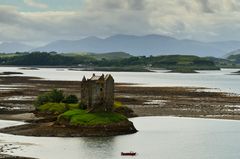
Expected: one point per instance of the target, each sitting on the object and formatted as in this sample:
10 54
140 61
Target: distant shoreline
112 69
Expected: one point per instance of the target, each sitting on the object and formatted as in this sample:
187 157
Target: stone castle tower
97 93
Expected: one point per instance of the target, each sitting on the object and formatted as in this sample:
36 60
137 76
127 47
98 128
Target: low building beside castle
97 93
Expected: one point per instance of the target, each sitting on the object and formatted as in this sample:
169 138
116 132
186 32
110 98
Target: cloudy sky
42 21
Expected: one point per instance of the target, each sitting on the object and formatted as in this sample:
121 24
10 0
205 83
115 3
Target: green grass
99 56
82 117
73 106
57 108
117 104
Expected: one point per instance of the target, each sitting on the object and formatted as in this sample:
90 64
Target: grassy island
82 117
57 108
63 115
70 112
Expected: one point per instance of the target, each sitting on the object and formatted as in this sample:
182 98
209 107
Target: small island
236 73
97 114
10 73
182 70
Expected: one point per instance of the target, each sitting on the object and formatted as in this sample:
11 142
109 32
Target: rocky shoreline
3 156
49 129
10 147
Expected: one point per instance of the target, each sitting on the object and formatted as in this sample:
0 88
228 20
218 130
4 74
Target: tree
42 99
71 99
56 96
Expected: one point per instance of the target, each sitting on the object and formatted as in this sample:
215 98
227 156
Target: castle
97 93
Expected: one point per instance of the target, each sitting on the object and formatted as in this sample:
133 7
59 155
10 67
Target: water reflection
158 137
98 147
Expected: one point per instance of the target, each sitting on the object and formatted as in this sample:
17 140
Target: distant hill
234 58
66 59
142 45
111 55
12 47
99 56
179 63
235 52
222 62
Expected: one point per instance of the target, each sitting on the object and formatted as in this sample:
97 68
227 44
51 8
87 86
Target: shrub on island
70 99
55 96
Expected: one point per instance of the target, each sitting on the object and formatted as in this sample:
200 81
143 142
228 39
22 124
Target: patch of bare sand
19 117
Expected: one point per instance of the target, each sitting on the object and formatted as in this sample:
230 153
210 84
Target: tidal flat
145 101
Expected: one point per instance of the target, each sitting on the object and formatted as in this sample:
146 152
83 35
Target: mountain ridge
152 44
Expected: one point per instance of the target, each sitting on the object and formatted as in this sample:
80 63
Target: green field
82 117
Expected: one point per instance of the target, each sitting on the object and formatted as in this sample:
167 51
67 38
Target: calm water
220 80
158 138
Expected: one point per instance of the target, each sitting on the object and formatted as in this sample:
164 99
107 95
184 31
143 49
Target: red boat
128 153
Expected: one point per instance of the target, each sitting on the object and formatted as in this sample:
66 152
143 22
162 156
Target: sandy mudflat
145 101
2 156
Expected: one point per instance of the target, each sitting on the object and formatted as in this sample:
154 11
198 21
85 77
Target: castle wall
98 94
109 93
84 93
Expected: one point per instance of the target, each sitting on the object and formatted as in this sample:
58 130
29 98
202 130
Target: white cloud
33 3
195 19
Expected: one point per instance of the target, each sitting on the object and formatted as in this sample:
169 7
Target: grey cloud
116 4
205 6
219 6
137 4
178 18
8 14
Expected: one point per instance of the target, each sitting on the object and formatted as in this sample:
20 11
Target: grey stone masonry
97 93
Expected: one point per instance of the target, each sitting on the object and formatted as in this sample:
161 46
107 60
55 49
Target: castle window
101 89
